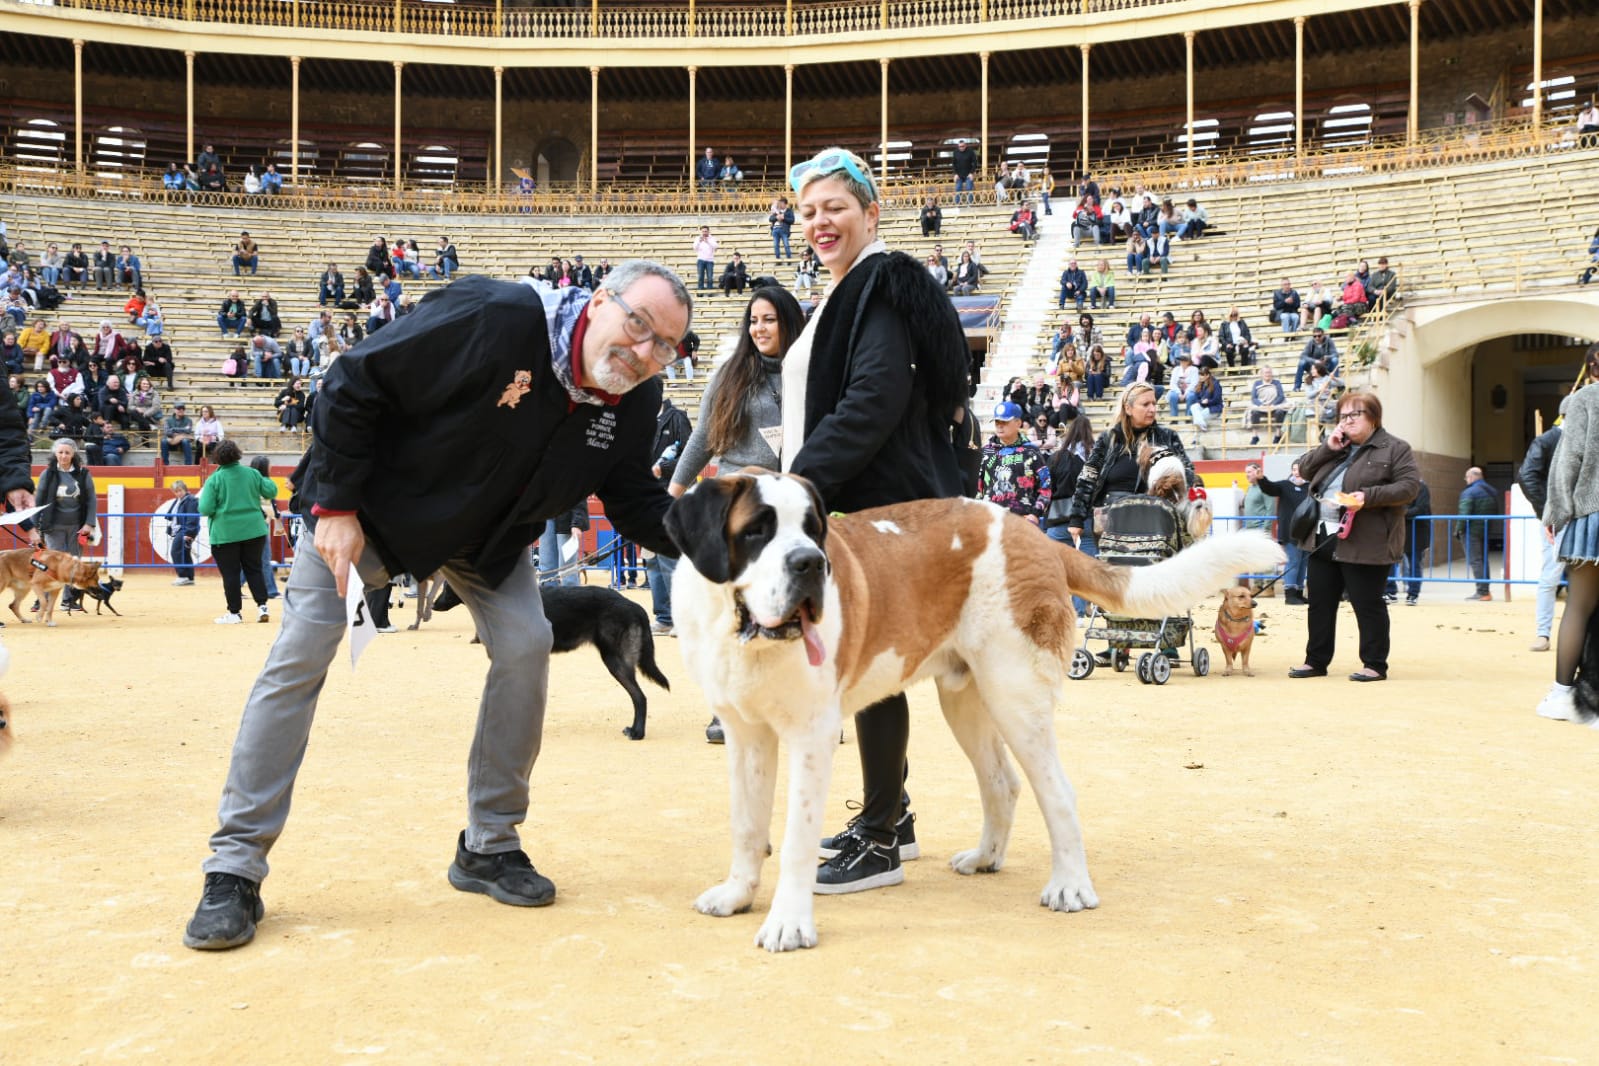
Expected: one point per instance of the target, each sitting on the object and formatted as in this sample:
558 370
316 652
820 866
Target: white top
797 368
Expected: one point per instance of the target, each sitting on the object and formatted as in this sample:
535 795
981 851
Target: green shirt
231 498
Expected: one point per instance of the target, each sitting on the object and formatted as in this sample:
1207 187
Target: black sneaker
905 831
506 876
1294 598
226 916
860 865
713 732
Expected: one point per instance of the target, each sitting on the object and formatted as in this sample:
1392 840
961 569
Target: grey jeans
277 717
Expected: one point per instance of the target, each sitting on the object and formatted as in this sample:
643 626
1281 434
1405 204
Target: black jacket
889 366
963 161
1289 497
444 465
672 431
16 454
1534 473
1108 450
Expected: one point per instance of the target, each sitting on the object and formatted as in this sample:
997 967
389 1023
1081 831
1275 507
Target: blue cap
1005 412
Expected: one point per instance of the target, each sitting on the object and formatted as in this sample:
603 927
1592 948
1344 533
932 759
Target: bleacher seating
186 253
1448 232
1444 230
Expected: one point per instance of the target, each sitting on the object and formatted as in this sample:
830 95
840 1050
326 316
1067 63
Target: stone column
77 105
188 82
1537 63
1411 118
1188 45
693 148
294 121
982 137
882 141
399 163
1299 86
1085 50
788 118
498 175
594 130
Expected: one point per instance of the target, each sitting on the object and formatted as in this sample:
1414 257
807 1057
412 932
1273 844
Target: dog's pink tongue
815 650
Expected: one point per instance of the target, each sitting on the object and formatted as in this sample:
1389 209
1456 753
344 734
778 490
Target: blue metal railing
1454 564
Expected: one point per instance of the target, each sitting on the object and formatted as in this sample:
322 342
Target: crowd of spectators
1182 361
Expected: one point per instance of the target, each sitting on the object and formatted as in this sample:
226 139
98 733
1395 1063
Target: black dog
102 594
615 625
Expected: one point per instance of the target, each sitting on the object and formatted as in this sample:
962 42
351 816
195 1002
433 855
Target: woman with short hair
873 390
1363 477
231 498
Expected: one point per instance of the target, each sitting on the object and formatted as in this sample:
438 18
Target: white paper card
773 436
14 517
358 628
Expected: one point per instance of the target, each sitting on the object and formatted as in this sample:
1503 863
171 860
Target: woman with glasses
741 414
872 392
1364 477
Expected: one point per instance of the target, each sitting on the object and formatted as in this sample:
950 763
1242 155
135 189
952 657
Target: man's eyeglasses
830 163
1352 414
639 331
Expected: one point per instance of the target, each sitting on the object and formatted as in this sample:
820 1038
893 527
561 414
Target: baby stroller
1140 531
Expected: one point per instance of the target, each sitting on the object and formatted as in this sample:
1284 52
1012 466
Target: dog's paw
729 897
1247 672
1071 893
976 861
1227 671
786 932
632 734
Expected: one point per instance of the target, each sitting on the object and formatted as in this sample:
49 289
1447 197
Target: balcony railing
435 19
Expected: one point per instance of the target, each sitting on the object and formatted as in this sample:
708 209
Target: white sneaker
229 619
1559 704
184 581
1541 644
388 629
261 614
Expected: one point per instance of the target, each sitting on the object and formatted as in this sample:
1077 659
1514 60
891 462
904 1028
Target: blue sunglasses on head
831 163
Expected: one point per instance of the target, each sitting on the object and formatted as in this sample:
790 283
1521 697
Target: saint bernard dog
789 620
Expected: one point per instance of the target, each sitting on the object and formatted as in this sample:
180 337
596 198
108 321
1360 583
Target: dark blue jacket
183 521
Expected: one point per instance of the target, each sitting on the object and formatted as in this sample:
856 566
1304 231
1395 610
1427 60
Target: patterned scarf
562 307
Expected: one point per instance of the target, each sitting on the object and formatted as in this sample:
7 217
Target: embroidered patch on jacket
521 382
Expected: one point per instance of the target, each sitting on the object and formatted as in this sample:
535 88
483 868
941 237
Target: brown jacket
1385 470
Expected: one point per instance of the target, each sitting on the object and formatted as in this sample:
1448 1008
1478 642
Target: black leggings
230 559
883 731
1582 597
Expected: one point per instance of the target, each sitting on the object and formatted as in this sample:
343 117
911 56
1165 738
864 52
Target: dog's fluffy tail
1174 585
646 663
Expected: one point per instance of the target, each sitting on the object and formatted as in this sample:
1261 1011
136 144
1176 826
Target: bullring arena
1289 871
1286 874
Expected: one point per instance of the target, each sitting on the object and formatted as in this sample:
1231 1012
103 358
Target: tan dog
44 573
1235 627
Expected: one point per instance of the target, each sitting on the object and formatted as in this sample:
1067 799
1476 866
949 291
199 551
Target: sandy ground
1290 871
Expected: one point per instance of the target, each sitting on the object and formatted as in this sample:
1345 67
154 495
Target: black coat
889 367
1109 451
441 466
672 427
1289 496
16 455
1534 472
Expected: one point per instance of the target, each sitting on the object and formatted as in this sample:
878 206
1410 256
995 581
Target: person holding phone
1364 477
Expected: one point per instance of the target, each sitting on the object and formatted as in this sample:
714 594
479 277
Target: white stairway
1025 311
